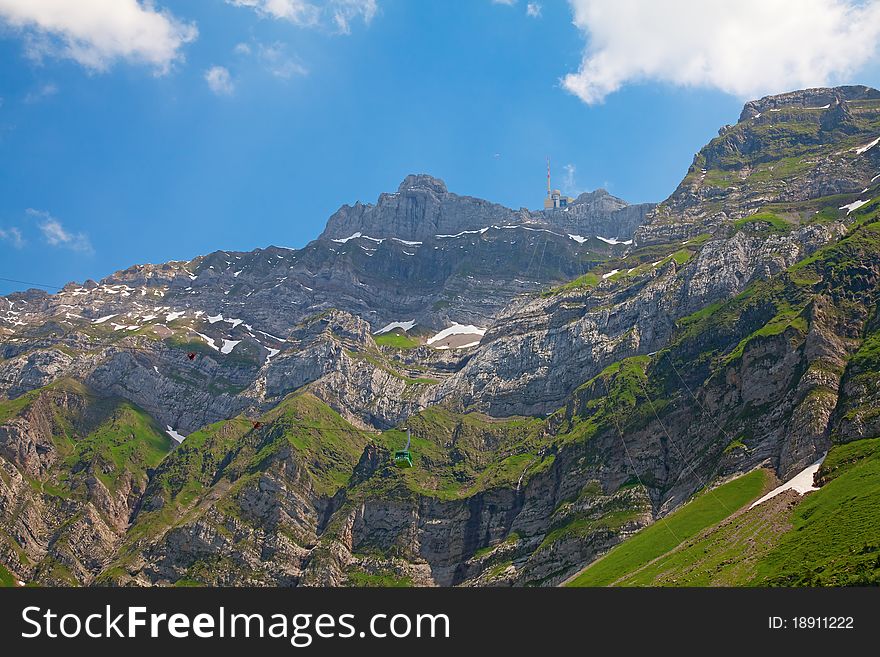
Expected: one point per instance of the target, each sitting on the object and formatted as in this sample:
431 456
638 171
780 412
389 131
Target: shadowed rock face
420 209
423 208
632 355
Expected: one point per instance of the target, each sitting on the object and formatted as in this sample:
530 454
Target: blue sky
115 158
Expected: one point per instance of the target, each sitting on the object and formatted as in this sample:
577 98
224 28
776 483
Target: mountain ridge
613 381
423 208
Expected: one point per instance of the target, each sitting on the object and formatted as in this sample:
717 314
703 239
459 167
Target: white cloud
219 80
569 185
340 13
13 236
299 12
97 33
533 10
746 48
509 3
345 11
273 57
56 235
278 63
44 91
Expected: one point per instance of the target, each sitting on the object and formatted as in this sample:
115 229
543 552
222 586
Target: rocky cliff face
789 149
542 348
422 208
797 163
73 468
599 213
615 378
243 313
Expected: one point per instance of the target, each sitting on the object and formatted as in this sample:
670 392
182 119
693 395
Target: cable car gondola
403 457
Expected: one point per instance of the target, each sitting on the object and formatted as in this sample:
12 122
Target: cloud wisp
13 236
338 13
746 48
220 80
569 183
276 60
41 93
55 234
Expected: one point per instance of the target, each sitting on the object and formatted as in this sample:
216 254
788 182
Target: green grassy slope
106 436
835 539
7 580
782 148
460 454
704 510
88 437
830 537
215 464
397 339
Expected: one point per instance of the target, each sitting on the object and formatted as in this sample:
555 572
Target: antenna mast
548 175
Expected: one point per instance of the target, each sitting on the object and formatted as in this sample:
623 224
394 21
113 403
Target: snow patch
176 436
210 341
855 205
213 319
464 232
407 242
170 317
867 147
406 326
268 335
228 346
535 230
580 239
357 235
610 273
457 329
802 483
613 240
101 320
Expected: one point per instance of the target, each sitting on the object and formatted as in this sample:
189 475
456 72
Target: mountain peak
423 181
808 99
